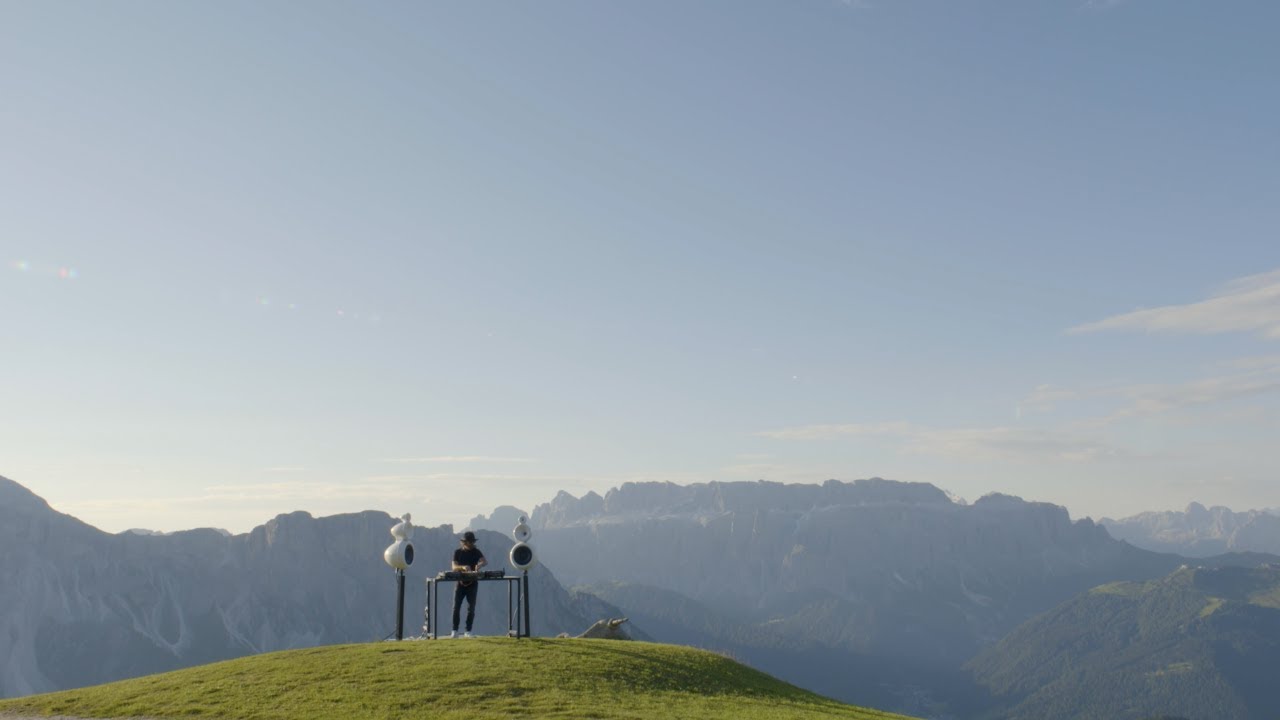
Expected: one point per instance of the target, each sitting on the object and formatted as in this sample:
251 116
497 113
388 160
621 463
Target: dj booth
517 599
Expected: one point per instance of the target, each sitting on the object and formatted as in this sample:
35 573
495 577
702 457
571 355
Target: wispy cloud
298 492
469 478
1253 362
1249 304
1045 398
820 432
1015 444
1257 376
1157 399
459 459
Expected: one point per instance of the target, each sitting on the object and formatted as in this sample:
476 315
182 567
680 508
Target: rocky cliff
1199 531
503 520
897 569
79 606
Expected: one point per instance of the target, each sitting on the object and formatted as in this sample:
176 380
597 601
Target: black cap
468 536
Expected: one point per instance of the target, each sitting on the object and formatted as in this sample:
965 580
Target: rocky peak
503 519
25 515
664 499
565 509
79 606
1200 531
16 498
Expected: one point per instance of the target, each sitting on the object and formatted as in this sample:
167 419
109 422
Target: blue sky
435 257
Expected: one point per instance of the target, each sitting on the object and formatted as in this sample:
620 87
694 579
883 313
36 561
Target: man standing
467 558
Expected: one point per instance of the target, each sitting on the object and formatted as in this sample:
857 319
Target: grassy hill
486 677
1200 643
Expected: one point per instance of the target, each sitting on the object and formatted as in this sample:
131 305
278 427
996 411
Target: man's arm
481 562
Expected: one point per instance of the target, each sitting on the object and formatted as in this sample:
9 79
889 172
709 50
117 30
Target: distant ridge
894 585
19 499
503 519
79 606
665 498
1200 643
1198 531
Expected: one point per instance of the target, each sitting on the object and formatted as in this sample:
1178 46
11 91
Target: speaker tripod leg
426 613
528 621
400 605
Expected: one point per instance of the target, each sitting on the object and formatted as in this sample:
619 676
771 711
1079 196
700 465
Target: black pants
461 591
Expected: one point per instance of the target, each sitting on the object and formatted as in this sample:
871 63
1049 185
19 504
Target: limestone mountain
872 586
79 606
503 519
879 566
1199 643
1200 532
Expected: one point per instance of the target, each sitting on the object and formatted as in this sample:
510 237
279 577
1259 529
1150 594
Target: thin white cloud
1157 399
1254 362
1259 375
819 432
301 492
755 470
467 477
1045 398
1249 304
459 459
1015 444
787 472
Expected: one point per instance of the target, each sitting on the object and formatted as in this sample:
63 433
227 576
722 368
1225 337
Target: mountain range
79 606
875 592
1200 532
892 569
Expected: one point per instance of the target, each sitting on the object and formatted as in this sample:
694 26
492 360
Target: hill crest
489 677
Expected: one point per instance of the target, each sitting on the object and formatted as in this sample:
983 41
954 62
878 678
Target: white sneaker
466 635
453 634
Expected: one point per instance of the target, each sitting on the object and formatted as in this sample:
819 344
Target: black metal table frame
517 605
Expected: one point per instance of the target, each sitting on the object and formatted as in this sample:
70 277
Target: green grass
1212 606
481 678
1268 597
1123 588
1177 668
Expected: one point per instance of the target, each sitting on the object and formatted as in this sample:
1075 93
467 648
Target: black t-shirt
467 558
